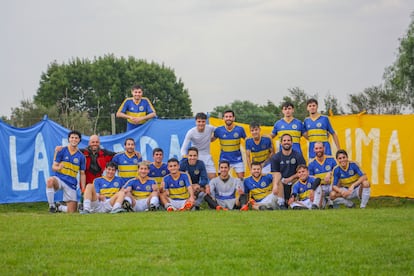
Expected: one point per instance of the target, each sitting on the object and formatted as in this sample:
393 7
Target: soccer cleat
262 208
52 209
118 210
245 207
299 208
187 206
221 208
127 206
170 209
315 207
350 205
58 204
152 208
84 212
282 207
252 202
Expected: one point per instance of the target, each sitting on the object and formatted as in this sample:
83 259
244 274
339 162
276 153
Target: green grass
378 240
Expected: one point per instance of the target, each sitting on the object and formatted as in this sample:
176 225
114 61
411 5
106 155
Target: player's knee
366 184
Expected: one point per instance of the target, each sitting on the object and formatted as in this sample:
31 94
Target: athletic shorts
101 206
269 201
354 194
266 169
238 167
302 203
69 194
177 204
208 162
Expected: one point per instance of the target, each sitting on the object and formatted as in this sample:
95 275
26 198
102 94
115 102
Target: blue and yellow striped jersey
157 173
318 131
259 151
72 164
177 188
141 188
140 109
258 189
321 169
108 187
127 164
294 128
302 189
345 177
230 143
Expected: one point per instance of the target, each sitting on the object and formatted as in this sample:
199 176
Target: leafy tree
99 86
298 97
332 103
400 76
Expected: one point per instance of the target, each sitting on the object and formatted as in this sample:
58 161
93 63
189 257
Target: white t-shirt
200 140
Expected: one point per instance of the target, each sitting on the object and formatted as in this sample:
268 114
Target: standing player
137 109
128 160
259 148
321 167
230 137
349 181
259 189
289 125
284 164
317 129
177 186
303 190
67 164
200 137
143 189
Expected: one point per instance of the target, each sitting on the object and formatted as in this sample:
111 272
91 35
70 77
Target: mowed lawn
375 241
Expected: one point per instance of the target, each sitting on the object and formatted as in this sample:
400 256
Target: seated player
104 194
259 188
144 190
303 190
178 193
349 182
225 192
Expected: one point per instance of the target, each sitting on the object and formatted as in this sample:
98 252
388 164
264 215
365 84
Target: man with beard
230 137
284 164
128 160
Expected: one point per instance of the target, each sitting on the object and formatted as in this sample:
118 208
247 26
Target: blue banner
27 153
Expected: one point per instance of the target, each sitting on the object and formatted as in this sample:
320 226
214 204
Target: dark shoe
127 206
52 209
152 208
314 207
283 207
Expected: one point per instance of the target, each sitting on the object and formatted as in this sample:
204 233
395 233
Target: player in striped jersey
137 109
67 164
158 169
303 190
128 160
349 181
259 148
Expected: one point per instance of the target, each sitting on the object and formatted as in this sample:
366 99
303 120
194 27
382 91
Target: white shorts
267 168
302 203
69 194
101 206
177 204
208 162
238 167
269 201
326 189
354 194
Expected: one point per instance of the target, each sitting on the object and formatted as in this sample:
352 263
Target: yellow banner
379 143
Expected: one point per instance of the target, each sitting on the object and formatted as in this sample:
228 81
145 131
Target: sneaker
57 204
84 212
196 208
170 209
299 208
330 206
127 206
252 202
245 207
187 206
282 207
315 207
262 208
350 205
80 206
52 209
118 210
220 208
153 208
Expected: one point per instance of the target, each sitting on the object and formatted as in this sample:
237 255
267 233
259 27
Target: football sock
127 198
117 205
50 194
318 196
366 192
63 208
87 204
155 201
280 201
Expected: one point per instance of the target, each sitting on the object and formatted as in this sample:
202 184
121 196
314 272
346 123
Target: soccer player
317 129
289 125
198 173
230 137
104 195
259 148
136 109
177 186
303 190
349 181
321 167
67 164
259 189
284 164
200 137
226 192
128 160
144 190
158 169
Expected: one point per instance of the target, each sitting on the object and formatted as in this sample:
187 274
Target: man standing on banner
200 137
67 164
317 129
284 164
230 136
136 109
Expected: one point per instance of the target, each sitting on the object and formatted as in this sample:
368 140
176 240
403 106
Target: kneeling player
104 194
303 190
144 190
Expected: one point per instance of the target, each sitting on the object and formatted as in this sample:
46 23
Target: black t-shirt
286 164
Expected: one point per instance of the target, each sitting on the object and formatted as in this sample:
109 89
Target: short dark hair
157 150
302 166
111 164
254 124
228 111
201 116
341 151
130 139
136 87
256 163
76 133
173 160
286 134
287 104
224 162
193 149
312 100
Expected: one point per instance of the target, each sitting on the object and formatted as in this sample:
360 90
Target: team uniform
294 128
127 165
200 140
108 188
225 191
230 145
302 190
320 170
286 165
261 190
67 177
141 190
139 109
260 151
158 173
318 131
178 189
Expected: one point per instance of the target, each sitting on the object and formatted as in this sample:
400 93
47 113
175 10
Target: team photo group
279 179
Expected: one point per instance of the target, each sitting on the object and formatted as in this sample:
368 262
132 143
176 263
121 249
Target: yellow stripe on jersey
260 156
346 182
322 177
304 195
141 194
318 135
230 145
69 169
127 171
260 193
108 192
179 193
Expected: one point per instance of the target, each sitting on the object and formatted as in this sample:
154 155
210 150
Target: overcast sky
222 50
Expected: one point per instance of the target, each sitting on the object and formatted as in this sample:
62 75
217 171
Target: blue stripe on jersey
108 187
72 164
259 188
321 169
345 177
259 151
177 188
230 143
141 189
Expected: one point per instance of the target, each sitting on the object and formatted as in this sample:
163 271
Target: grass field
376 241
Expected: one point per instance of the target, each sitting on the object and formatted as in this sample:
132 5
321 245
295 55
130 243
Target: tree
400 76
99 86
298 98
332 104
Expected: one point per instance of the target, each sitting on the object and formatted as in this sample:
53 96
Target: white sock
280 200
87 204
127 198
341 200
317 196
63 208
117 205
50 194
155 201
366 192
